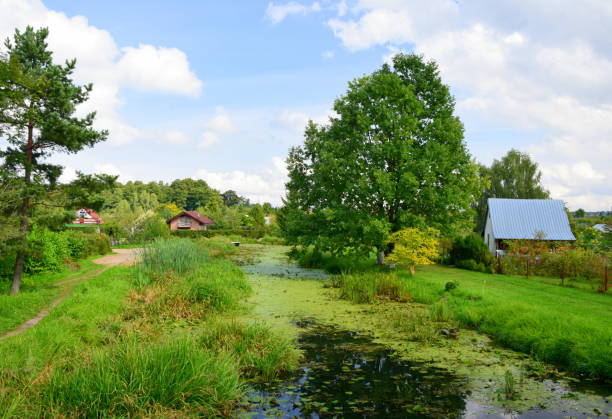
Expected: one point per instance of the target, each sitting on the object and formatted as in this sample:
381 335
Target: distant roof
604 228
524 218
195 215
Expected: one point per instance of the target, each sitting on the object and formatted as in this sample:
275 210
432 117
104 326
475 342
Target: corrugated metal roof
524 218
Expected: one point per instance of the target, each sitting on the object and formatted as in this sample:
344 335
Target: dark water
347 375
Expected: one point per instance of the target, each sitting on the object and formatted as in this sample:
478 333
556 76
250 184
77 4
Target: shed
527 219
189 220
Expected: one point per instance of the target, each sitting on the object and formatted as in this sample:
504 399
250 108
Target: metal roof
524 218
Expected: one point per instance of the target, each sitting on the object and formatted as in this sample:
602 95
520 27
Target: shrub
471 252
472 265
194 234
48 251
412 247
154 227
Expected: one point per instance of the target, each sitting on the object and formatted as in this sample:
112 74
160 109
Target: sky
220 90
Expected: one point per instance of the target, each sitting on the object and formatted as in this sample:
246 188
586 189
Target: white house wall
489 238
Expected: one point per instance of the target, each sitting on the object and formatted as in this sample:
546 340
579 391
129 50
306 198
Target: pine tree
38 100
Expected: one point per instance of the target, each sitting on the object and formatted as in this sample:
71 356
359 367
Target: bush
194 234
471 252
154 227
472 265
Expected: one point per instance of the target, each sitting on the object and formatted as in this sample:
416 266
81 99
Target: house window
184 222
488 236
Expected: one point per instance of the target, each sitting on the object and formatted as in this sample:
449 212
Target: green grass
133 378
160 339
37 292
261 354
367 287
566 326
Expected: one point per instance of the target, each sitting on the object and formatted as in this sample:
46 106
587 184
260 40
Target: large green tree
191 194
38 100
515 176
393 157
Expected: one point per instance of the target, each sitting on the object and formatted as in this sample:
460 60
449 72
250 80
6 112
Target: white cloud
162 69
111 169
171 137
265 185
219 124
278 12
68 175
515 73
342 8
296 121
209 138
102 62
329 54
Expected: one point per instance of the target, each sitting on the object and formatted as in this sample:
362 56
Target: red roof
93 218
195 215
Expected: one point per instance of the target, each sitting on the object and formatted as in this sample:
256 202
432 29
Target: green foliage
153 227
563 263
579 213
191 194
194 234
370 286
50 251
412 247
471 252
394 157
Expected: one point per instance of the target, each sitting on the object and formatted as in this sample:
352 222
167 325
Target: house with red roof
189 220
87 216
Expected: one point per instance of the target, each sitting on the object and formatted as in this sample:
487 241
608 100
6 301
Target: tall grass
169 256
135 378
368 286
219 285
261 353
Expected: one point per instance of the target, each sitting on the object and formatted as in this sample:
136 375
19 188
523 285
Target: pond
346 372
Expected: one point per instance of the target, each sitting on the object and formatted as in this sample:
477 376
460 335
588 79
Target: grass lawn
568 326
37 292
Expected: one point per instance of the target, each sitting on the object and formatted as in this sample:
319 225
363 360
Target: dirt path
124 257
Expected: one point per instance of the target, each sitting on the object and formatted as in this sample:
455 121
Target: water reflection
347 375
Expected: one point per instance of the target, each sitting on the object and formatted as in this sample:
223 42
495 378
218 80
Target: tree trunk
380 257
24 213
412 270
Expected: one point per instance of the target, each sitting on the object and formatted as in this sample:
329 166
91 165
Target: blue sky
221 90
